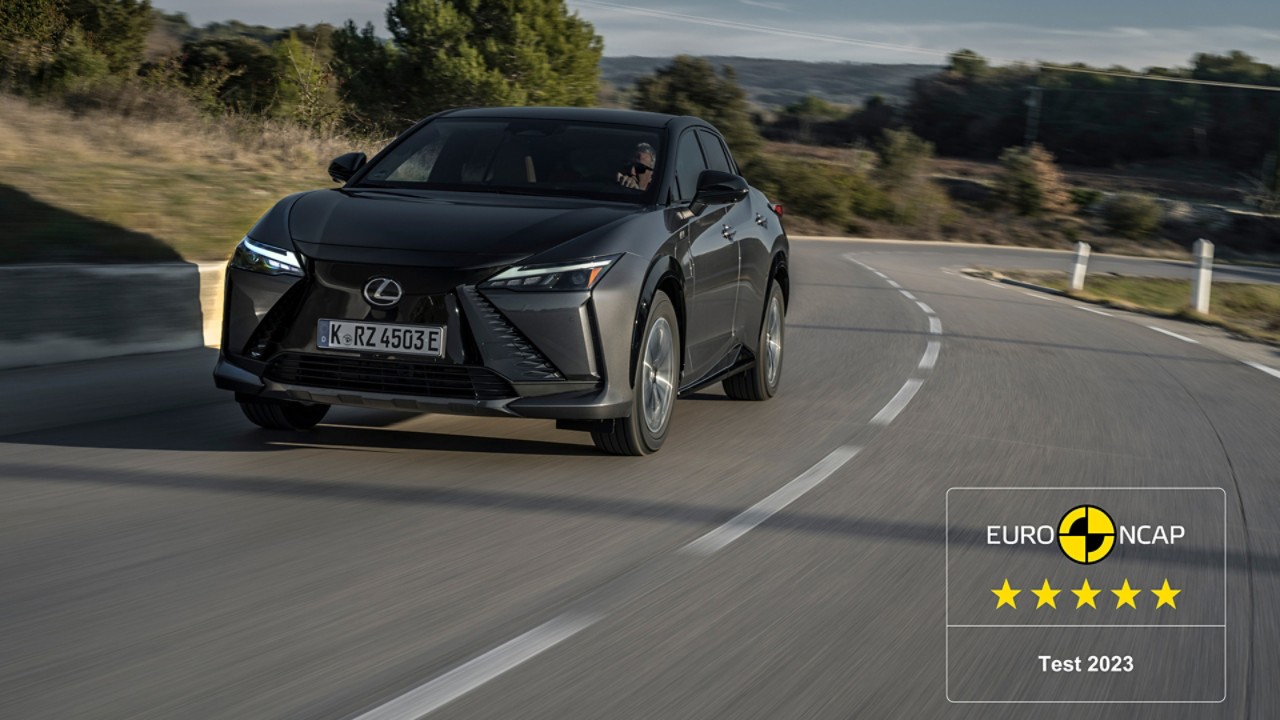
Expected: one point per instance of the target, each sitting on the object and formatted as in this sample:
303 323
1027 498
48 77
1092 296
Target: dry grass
195 185
1251 310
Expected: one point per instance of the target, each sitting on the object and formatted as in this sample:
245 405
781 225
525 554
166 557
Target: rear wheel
657 381
281 414
760 382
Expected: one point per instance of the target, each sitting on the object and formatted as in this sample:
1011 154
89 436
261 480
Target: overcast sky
1135 33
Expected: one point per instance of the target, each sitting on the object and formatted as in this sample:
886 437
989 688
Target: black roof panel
603 115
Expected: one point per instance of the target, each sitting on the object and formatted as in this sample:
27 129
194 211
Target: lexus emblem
383 292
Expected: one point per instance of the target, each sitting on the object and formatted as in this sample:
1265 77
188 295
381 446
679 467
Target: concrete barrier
64 313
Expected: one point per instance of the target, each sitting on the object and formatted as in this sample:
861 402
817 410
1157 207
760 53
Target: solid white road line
1095 312
907 295
1031 294
472 674
930 355
927 310
782 497
1259 366
1183 338
899 401
935 325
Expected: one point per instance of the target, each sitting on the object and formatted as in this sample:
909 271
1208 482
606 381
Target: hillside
771 82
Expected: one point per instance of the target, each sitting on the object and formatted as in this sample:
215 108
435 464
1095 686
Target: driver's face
642 168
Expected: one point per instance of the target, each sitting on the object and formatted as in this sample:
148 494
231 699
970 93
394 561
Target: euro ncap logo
1086 534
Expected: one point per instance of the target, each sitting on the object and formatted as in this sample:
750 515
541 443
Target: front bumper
509 353
576 401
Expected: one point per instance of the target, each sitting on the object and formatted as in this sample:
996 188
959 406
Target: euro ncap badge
1086 534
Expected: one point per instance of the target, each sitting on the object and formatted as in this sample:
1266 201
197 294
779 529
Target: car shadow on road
351 431
702 515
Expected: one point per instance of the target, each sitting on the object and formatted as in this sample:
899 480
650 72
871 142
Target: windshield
530 157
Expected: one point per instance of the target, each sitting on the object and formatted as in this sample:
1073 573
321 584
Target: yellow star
1085 595
1125 595
1165 595
1006 595
1046 595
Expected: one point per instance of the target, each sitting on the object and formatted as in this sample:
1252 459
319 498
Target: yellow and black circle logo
1086 534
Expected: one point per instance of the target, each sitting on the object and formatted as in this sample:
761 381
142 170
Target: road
175 562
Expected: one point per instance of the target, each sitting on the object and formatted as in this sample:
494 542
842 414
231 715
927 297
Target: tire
761 380
281 414
657 370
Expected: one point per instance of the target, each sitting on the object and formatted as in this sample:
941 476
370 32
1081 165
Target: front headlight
579 275
255 256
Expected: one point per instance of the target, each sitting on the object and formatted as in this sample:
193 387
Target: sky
1133 33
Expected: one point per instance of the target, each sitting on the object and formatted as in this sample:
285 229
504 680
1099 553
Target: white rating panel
1086 595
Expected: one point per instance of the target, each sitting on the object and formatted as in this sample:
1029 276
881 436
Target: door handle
761 220
728 232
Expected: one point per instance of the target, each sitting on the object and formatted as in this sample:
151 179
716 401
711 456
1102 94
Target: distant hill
771 82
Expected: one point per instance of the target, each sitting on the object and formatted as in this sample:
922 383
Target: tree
691 86
30 34
967 63
305 90
115 28
250 71
450 53
1030 181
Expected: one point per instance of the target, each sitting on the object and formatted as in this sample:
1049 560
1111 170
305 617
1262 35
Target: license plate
380 337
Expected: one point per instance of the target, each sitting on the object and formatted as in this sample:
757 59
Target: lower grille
394 377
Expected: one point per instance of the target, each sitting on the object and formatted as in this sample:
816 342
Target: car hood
439 229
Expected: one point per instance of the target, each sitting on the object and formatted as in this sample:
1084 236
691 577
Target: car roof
602 115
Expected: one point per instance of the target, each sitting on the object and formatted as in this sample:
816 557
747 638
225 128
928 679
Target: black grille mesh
533 364
395 377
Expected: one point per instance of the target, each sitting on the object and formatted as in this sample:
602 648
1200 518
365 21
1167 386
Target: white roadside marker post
1204 276
1081 266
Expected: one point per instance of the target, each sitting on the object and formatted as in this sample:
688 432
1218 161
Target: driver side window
689 165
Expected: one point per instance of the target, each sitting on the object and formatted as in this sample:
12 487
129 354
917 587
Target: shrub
1085 197
1030 182
1132 216
903 159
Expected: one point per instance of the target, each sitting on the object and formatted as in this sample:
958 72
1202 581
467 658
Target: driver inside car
639 173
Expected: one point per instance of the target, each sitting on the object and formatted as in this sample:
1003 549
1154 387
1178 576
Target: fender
664 271
779 268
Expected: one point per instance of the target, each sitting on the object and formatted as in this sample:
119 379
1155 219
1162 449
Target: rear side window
713 149
689 165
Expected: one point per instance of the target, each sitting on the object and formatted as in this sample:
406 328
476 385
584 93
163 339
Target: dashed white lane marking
930 355
935 325
1095 312
907 294
1259 366
470 675
1031 294
892 283
1183 338
763 510
927 310
899 401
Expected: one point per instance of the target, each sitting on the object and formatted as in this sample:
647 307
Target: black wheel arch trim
663 271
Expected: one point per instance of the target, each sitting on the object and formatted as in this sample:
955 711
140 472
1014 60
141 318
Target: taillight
778 209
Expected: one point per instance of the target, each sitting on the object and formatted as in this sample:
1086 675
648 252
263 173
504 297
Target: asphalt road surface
786 559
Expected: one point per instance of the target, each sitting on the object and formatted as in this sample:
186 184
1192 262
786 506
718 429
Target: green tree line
433 54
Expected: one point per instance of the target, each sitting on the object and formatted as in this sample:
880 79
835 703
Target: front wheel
760 382
657 380
281 414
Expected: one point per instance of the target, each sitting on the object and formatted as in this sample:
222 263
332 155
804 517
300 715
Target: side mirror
344 166
718 188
